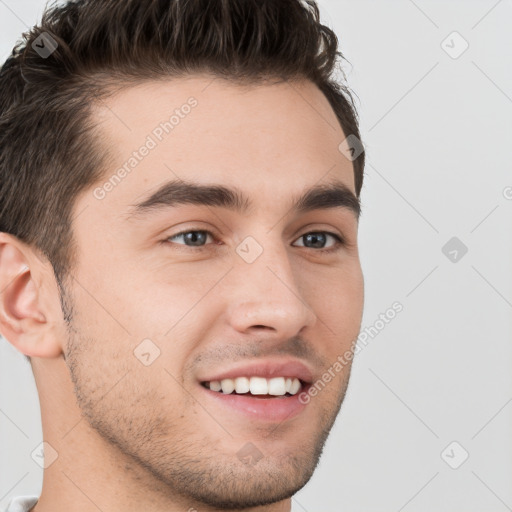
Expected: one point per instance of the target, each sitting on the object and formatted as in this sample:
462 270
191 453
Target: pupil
195 236
318 239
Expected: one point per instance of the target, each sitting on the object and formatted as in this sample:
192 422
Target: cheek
121 380
134 317
337 299
159 299
351 293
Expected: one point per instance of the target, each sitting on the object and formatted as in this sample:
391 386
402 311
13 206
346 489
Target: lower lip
264 409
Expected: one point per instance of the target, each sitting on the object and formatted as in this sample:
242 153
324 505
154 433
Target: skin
135 437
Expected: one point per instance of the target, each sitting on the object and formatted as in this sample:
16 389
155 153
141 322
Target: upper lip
267 368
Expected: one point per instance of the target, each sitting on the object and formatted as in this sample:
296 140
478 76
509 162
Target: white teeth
276 386
228 386
242 385
215 385
295 387
258 386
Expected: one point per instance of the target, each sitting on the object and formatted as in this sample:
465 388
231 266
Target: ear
30 314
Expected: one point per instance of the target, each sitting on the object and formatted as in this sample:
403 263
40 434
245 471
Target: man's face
246 293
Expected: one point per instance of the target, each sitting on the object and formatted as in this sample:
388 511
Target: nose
265 294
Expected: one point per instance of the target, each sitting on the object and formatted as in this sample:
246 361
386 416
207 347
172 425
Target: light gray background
438 134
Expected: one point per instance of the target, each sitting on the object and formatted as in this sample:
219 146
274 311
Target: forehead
273 138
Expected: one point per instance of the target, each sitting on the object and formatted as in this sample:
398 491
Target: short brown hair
49 152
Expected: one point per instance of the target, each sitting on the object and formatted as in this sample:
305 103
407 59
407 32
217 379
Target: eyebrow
178 192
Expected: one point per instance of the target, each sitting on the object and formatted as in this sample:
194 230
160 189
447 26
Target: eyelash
340 242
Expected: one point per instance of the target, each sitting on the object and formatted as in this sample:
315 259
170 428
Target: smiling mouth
257 387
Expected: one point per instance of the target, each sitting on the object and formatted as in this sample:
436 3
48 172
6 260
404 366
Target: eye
192 238
317 240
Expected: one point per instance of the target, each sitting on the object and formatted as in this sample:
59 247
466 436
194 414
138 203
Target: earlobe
26 320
